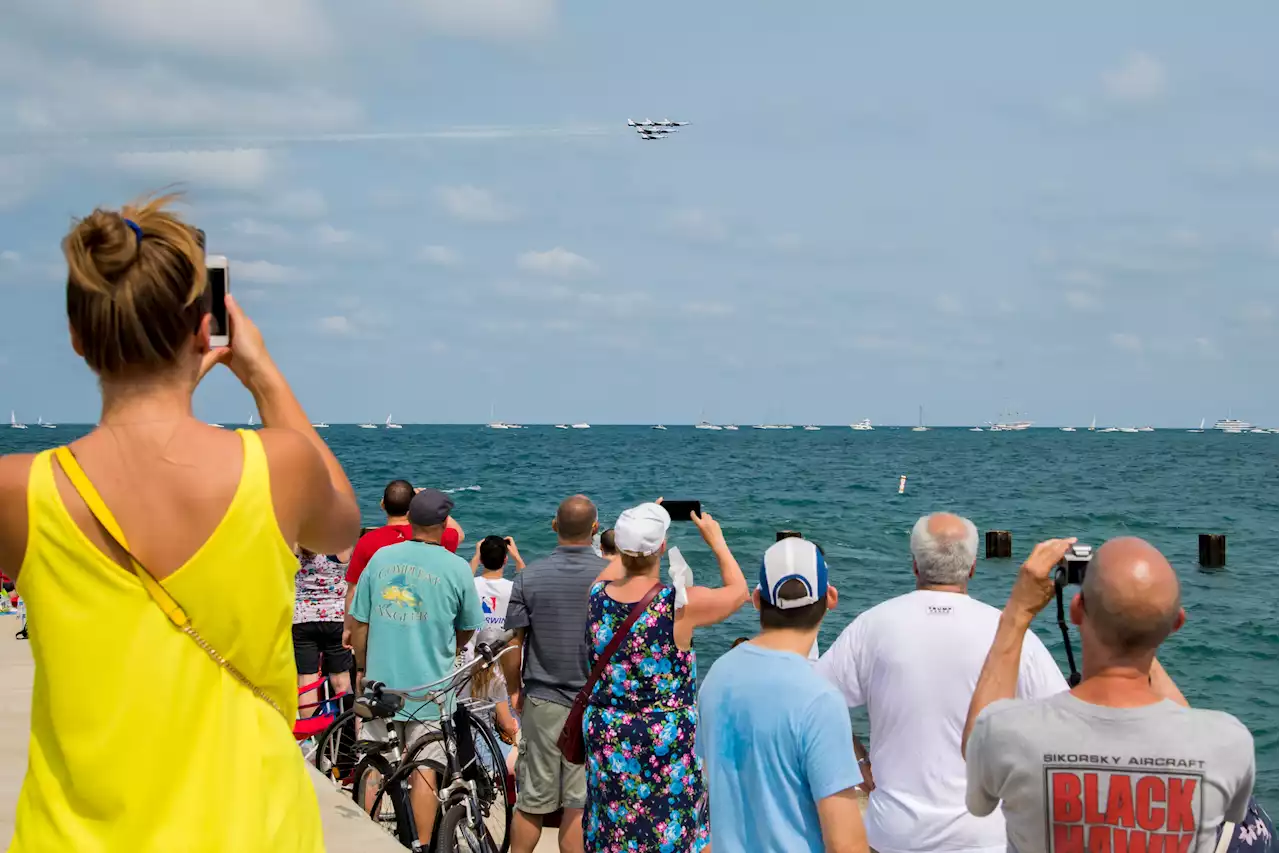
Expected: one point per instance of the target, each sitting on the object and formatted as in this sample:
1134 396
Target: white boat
1109 429
1066 429
217 426
562 426
976 429
1230 424
13 422
1128 429
497 424
1201 429
706 425
811 428
1007 424
368 426
390 425
251 421
581 426
731 427
863 425
40 423
1146 429
920 427
321 425
657 426
1259 431
1093 424
785 426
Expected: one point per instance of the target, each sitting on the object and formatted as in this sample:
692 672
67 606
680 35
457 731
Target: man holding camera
1119 762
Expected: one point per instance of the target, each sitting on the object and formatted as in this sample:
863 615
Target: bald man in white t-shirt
914 661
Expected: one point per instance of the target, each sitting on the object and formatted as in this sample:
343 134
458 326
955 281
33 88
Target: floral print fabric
320 590
645 792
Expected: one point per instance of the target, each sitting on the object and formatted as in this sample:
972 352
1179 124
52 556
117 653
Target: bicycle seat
375 704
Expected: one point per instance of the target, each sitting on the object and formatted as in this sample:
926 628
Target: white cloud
709 309
945 303
1142 77
337 325
300 204
1082 301
1206 349
1126 341
277 31
473 204
263 272
327 235
496 20
701 226
255 228
557 263
235 169
441 256
8 256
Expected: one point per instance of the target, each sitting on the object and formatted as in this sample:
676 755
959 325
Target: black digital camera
1073 565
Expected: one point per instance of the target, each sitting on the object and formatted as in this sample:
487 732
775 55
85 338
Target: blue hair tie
137 230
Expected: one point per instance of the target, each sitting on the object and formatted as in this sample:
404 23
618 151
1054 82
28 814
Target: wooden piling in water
999 545
1213 550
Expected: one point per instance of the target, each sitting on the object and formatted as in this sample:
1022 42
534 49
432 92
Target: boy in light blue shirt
774 737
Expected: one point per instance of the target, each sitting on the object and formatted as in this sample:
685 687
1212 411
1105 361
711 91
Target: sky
435 209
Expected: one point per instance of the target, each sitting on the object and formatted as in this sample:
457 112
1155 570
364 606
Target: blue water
839 488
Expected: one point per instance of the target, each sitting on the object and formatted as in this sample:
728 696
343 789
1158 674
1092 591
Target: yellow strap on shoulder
98 507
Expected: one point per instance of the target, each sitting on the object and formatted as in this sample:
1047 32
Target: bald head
576 520
1131 597
944 548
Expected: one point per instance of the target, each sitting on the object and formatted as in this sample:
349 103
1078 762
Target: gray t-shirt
1080 777
550 600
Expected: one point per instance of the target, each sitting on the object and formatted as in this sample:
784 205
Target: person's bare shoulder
15 471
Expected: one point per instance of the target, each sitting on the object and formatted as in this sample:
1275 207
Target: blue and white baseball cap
793 559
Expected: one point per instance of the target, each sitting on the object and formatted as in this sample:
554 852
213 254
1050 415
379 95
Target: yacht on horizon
40 423
1232 425
657 426
707 425
863 425
368 426
1066 429
731 427
811 428
581 426
562 426
321 425
13 421
920 427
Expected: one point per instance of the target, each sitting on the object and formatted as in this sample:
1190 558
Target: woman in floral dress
645 791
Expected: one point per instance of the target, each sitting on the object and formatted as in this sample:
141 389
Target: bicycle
475 798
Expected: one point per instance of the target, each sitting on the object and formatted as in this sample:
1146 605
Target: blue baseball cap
793 559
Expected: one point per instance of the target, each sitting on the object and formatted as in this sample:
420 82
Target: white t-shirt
914 661
495 595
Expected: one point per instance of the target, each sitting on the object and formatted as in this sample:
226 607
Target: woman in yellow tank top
142 740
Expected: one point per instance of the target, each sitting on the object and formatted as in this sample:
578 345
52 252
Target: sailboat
1201 427
920 427
40 423
703 423
1093 424
251 421
495 424
390 425
13 421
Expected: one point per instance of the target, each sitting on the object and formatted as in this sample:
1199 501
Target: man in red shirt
395 503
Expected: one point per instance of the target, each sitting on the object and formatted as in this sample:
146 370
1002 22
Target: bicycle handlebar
380 701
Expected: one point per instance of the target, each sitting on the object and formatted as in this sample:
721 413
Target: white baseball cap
641 530
793 559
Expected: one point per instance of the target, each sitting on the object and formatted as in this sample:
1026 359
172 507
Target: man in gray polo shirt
548 613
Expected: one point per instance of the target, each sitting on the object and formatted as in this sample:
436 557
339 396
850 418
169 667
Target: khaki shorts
546 782
407 734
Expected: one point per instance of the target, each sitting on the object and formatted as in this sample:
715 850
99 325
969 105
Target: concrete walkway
346 828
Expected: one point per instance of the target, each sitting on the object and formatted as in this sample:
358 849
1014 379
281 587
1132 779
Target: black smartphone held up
682 510
219 284
788 534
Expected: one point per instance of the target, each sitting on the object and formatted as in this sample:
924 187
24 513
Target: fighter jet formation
650 130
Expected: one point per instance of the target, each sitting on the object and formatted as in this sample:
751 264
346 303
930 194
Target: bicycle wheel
491 777
387 805
456 836
335 754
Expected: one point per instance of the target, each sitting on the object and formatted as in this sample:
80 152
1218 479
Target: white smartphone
219 284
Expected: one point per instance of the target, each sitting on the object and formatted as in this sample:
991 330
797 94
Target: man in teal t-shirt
414 607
